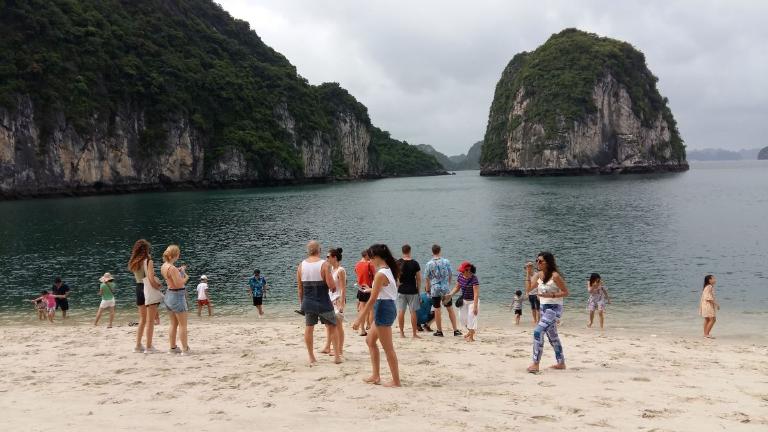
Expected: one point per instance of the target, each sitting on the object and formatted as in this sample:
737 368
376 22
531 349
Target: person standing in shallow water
61 291
708 306
314 280
551 291
384 293
598 297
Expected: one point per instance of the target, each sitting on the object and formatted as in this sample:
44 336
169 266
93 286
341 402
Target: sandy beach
252 374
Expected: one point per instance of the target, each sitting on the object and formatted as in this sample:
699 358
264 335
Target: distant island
763 155
580 104
101 96
462 162
710 154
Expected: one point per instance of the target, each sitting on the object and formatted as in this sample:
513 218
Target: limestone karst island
580 104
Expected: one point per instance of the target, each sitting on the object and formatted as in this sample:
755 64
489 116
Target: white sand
252 375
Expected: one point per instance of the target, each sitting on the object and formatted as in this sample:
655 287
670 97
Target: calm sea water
652 237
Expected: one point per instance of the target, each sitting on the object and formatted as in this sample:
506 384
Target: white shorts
467 315
107 304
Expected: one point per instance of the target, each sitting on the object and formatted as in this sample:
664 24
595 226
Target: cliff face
597 127
111 157
763 155
112 95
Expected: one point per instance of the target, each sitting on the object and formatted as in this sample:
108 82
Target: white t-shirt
202 287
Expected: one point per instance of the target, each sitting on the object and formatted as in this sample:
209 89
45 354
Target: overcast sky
427 69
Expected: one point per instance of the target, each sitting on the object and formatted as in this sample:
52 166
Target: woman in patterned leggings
551 291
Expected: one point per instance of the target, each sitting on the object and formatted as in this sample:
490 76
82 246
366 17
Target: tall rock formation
111 95
580 104
763 155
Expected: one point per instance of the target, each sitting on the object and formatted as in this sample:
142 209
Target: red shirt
365 272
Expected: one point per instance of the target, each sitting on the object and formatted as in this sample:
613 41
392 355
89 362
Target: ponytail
383 252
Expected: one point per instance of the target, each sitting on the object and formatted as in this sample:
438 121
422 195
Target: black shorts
518 311
535 302
62 303
437 301
139 294
257 301
363 296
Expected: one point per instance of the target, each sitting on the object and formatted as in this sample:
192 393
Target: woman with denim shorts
384 290
551 291
176 299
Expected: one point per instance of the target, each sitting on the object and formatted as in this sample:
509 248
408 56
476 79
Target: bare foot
558 366
534 369
372 380
470 339
390 384
589 325
312 361
709 337
338 360
325 351
402 335
415 336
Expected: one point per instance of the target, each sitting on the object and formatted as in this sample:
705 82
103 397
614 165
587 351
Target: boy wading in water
258 287
202 297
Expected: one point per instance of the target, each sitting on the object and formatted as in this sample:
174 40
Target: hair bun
340 250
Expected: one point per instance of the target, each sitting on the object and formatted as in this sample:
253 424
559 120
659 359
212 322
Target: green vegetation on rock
398 158
170 60
558 80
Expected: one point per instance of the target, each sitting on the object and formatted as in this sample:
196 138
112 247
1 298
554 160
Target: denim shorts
384 313
176 301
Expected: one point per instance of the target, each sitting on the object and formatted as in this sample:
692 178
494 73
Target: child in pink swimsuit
50 303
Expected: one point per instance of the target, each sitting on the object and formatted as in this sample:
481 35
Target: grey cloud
427 69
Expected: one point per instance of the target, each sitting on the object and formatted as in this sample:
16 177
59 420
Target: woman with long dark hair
384 291
708 306
551 291
338 298
140 264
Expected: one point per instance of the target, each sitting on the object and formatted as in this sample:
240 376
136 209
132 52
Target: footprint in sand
641 379
544 418
662 413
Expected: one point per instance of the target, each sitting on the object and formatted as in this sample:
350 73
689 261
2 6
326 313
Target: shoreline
101 189
242 372
587 171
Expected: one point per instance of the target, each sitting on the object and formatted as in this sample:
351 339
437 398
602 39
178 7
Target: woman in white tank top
551 291
384 291
338 298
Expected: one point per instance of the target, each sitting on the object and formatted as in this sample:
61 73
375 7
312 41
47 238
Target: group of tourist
387 289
